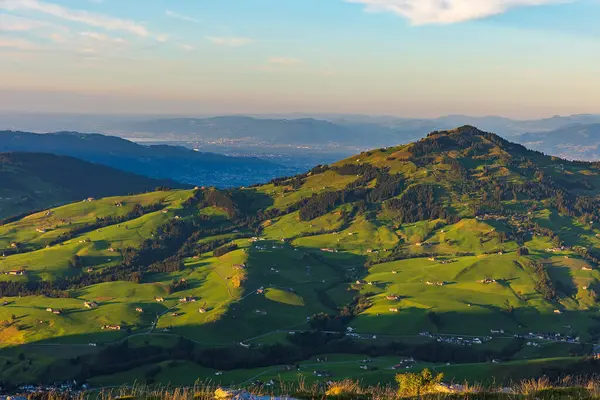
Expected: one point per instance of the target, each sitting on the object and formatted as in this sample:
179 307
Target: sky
411 58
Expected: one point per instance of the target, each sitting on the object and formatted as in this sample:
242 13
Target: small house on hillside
90 304
18 272
159 299
435 283
328 250
112 327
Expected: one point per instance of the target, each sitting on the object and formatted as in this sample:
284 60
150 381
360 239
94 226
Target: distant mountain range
262 126
172 162
34 181
245 135
579 141
342 130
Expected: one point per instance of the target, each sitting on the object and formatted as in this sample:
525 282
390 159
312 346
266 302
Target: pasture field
443 256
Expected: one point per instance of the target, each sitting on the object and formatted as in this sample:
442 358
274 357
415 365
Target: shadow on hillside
250 200
563 279
113 355
273 264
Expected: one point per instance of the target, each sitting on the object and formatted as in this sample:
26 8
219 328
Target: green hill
35 181
462 252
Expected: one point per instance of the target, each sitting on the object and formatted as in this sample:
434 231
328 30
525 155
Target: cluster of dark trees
33 288
295 182
466 138
170 264
158 254
212 197
590 254
544 284
386 186
122 357
178 285
543 181
167 239
221 251
337 323
418 203
457 169
395 255
321 204
136 212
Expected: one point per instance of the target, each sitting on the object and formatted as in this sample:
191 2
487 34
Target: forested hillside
35 181
159 161
463 252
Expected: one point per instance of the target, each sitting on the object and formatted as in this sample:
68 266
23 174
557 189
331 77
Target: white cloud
229 41
106 22
162 38
186 47
57 38
421 12
102 37
176 15
11 23
284 61
14 43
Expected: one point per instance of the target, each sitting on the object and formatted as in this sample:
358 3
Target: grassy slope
34 181
320 280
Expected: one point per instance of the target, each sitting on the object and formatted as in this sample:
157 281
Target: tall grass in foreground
540 388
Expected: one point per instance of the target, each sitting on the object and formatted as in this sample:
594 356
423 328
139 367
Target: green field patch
285 297
360 237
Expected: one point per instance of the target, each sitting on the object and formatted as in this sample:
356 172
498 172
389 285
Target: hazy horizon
273 115
517 58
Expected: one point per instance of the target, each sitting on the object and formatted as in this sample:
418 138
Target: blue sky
414 58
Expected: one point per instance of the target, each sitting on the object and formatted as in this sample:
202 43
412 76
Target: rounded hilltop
460 248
